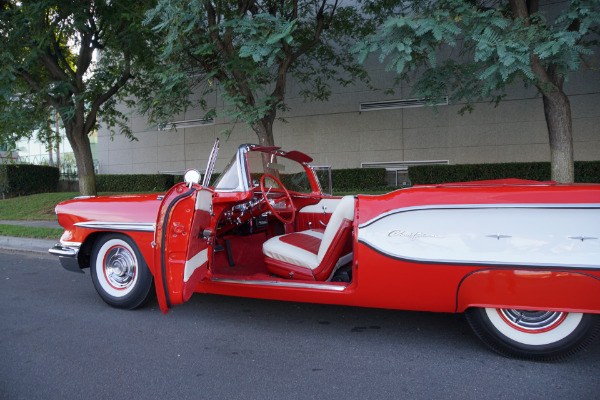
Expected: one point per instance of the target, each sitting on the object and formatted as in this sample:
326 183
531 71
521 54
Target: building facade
358 126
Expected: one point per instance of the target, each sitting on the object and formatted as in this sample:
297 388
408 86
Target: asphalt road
58 340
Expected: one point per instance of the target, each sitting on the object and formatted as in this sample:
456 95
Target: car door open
183 241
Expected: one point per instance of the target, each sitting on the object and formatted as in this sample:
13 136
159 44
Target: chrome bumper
67 257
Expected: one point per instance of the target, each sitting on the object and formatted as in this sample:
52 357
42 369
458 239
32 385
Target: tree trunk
264 131
80 143
557 110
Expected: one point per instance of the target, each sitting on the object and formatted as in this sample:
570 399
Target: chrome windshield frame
242 171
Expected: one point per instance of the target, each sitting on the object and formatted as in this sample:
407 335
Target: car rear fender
559 290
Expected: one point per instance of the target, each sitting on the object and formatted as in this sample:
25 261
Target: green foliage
243 52
24 179
490 47
134 183
31 232
585 172
358 179
33 207
50 61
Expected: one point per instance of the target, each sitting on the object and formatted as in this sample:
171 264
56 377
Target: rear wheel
119 272
532 334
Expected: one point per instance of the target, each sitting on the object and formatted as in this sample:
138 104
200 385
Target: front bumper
67 255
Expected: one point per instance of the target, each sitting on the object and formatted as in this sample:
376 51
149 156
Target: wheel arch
533 289
85 251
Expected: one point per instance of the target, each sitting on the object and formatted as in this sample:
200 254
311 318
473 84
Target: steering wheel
286 198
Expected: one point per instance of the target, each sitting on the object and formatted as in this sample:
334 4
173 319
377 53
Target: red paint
377 280
303 241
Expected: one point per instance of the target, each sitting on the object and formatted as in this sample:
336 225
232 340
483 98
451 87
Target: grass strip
30 232
33 207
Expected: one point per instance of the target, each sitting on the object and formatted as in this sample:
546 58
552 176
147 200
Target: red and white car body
522 258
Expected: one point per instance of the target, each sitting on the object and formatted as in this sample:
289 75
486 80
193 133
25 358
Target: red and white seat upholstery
312 255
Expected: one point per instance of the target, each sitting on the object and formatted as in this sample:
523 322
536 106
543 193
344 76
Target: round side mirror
191 176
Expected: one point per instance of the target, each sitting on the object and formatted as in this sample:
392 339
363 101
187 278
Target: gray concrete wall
335 132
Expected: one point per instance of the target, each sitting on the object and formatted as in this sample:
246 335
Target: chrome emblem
412 235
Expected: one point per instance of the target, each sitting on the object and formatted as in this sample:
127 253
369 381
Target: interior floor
241 257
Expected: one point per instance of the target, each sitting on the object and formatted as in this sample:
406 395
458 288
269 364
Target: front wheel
119 272
531 334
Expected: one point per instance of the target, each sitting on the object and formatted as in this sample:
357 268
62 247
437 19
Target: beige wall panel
171 137
483 113
419 117
520 110
381 140
119 157
199 134
118 169
145 139
171 153
587 151
143 155
428 137
526 132
585 106
170 166
586 129
379 156
145 168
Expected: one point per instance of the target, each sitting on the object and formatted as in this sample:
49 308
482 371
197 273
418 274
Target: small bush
358 179
25 179
585 171
134 183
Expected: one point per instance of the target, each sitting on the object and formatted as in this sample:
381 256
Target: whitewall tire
119 273
533 334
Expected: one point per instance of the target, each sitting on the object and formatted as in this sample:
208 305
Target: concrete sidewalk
28 244
35 224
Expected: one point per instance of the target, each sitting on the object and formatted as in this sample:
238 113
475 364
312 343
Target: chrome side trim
476 206
118 226
331 288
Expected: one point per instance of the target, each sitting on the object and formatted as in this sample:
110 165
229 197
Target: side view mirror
191 176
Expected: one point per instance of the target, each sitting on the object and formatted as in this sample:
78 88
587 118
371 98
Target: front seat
312 255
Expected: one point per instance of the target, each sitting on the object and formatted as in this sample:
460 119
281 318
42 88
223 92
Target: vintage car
520 258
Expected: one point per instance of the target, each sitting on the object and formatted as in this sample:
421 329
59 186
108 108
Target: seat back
343 211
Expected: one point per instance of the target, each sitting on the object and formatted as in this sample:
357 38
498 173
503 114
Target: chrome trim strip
475 206
332 288
118 226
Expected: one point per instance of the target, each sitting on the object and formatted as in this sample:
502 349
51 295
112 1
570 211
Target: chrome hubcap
532 319
119 266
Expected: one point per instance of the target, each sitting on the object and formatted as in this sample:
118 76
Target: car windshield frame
239 162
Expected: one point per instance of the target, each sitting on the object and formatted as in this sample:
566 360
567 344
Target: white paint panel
194 263
490 235
331 204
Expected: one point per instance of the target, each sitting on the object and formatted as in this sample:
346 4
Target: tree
47 53
500 42
249 47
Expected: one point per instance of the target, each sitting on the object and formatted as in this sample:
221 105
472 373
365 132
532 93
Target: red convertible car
520 258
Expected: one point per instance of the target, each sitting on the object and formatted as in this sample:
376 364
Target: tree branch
36 86
92 114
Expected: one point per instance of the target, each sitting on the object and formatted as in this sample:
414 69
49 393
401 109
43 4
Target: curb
39 246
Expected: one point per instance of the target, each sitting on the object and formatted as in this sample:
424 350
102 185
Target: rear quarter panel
388 280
